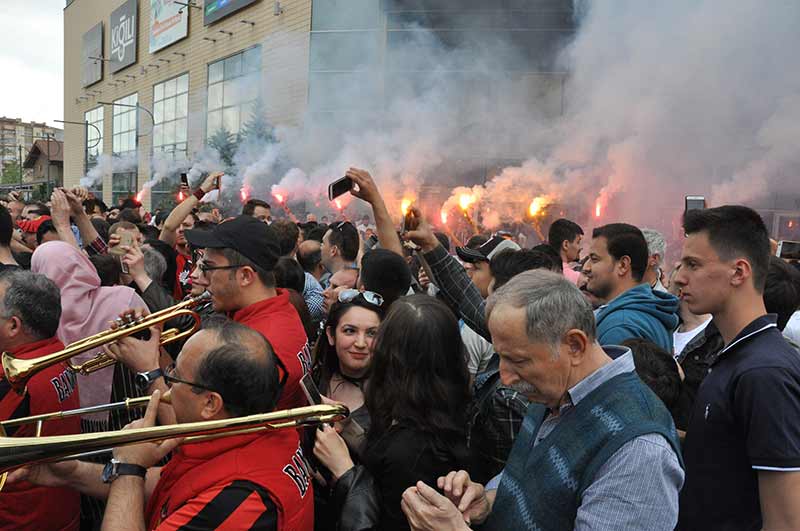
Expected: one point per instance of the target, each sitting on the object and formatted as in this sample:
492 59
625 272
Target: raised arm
91 239
183 209
368 191
450 277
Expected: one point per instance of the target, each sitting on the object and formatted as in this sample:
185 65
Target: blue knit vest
542 486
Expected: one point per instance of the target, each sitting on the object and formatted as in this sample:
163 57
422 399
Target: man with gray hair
600 452
30 310
656 250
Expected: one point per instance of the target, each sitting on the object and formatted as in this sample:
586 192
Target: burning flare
279 197
465 201
444 217
338 204
140 195
537 205
597 209
244 193
405 204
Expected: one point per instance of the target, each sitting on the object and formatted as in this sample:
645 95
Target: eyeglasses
169 379
349 295
205 268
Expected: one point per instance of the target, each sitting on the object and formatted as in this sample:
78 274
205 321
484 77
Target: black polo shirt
746 418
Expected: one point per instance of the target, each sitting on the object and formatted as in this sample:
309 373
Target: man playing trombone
254 480
30 309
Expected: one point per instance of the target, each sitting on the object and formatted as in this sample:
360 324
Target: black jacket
357 499
698 355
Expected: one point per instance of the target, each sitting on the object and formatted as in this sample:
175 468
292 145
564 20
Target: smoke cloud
617 115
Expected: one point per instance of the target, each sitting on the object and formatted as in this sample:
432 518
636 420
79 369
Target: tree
11 173
257 128
226 144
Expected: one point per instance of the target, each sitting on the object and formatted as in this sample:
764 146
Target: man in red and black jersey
30 309
257 481
238 262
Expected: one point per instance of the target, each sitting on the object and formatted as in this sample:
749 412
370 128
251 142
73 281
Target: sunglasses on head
349 295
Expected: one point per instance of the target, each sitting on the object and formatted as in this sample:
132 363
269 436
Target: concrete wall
284 39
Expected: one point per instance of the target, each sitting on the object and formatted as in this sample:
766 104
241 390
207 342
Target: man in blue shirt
631 309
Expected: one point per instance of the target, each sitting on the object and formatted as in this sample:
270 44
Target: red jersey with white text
24 506
183 282
256 481
278 321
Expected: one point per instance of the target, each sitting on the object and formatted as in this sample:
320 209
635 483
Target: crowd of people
489 386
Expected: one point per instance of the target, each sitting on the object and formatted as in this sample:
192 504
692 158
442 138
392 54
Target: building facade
17 139
147 79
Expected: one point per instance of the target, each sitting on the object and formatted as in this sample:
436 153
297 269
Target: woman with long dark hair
345 499
417 396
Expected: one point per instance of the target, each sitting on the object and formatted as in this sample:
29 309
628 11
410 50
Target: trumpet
18 371
21 451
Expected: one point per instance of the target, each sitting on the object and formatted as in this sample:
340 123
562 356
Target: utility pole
19 162
49 191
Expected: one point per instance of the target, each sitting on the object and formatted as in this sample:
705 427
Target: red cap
32 225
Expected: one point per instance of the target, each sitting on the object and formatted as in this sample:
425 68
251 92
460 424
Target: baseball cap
247 235
32 225
486 251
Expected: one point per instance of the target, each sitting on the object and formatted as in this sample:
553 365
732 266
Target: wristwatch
144 379
116 468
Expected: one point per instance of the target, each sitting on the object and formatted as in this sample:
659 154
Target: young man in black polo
742 449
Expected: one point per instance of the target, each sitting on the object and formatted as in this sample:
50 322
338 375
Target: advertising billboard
169 23
92 46
217 9
124 28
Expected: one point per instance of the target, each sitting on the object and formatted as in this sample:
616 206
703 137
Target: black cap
250 237
485 252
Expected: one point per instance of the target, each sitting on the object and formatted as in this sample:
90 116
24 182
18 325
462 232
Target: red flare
597 209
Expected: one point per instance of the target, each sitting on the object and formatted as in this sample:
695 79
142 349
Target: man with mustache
601 452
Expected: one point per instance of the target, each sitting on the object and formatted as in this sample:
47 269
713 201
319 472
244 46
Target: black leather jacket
356 497
698 355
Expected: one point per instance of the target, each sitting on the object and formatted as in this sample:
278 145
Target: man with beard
238 263
597 450
631 308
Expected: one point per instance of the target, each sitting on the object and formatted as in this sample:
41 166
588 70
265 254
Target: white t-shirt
792 330
479 351
681 339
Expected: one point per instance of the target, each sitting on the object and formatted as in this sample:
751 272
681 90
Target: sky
31 60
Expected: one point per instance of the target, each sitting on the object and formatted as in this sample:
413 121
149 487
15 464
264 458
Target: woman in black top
341 362
417 396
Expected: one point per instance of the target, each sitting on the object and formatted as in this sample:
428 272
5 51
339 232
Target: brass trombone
128 403
19 371
20 451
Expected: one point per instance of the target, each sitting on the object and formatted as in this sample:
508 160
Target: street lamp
137 106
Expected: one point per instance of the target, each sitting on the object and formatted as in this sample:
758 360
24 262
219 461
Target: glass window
170 108
169 112
94 144
123 186
233 85
124 130
344 14
123 136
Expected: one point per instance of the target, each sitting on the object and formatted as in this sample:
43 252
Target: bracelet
199 193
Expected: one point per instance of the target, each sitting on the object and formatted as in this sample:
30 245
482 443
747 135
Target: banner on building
169 23
124 28
217 9
91 56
